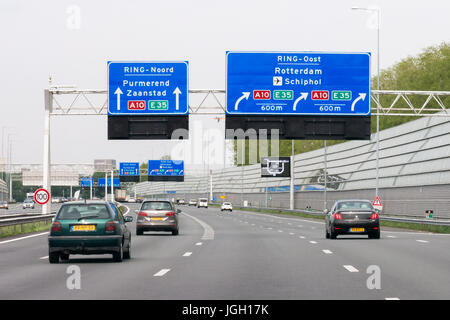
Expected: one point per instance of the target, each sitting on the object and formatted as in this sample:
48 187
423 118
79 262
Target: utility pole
106 186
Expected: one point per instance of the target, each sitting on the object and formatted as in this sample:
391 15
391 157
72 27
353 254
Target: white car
132 200
192 202
28 203
202 202
226 206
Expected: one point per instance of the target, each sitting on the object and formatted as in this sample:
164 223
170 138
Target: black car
352 217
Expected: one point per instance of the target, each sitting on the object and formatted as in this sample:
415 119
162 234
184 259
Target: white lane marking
291 233
253 224
302 237
42 258
128 211
187 254
289 223
269 228
208 233
391 236
421 233
161 272
280 230
313 242
198 244
299 226
392 298
326 251
22 238
351 268
422 241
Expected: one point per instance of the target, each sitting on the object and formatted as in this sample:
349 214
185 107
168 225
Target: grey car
157 215
352 217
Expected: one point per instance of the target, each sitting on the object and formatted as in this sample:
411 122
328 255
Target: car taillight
110 226
142 214
338 216
374 216
56 226
170 214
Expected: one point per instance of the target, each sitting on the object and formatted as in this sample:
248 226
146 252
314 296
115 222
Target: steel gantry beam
72 101
68 100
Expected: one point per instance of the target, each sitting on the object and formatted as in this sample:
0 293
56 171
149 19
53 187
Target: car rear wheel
139 232
327 234
118 256
53 257
333 234
374 235
64 256
127 254
175 232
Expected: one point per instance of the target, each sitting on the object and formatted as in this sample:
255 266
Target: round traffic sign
41 196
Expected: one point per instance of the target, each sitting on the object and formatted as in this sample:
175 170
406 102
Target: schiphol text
302 82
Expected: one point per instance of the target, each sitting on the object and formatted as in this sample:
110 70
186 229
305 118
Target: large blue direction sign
86 182
129 169
147 88
298 83
166 168
101 182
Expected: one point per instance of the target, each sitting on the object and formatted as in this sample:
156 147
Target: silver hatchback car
157 215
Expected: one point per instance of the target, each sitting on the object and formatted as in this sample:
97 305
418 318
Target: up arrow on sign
177 93
118 92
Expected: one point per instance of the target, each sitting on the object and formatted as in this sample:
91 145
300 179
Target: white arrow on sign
118 92
177 93
303 96
361 96
244 95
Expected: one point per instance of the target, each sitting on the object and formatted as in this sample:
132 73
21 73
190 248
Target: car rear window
203 200
354 205
226 203
77 211
157 205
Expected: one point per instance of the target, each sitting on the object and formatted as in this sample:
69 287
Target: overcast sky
41 38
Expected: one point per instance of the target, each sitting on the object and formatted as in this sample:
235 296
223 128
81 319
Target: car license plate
157 219
356 229
84 227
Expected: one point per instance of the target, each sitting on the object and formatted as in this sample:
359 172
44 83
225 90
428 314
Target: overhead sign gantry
147 99
306 95
129 172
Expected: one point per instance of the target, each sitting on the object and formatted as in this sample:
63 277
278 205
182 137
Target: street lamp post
377 10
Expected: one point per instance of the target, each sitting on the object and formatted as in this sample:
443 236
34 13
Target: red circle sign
41 196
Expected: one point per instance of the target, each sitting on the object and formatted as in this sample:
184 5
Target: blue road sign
166 168
86 182
129 169
101 182
298 83
147 88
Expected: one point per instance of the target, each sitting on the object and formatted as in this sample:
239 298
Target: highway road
241 255
17 208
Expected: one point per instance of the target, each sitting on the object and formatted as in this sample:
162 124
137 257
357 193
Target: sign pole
106 186
291 190
90 189
112 185
46 208
325 174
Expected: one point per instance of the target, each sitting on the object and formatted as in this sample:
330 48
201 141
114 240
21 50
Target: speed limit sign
41 196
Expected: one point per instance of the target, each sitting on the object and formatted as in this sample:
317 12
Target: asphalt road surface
239 255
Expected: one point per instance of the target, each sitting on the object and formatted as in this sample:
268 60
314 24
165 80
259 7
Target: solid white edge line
187 254
326 251
23 238
208 231
422 241
198 244
313 242
392 298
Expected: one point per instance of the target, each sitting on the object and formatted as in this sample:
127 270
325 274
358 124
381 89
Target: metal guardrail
24 220
430 221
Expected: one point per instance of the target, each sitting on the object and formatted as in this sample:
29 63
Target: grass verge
391 224
9 231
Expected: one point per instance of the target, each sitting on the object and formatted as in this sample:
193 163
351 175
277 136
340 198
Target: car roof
349 200
88 202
